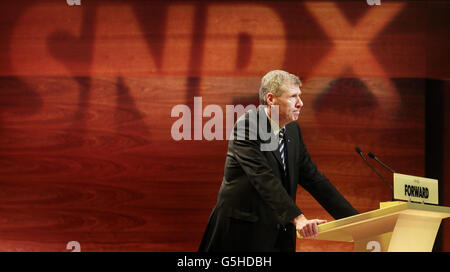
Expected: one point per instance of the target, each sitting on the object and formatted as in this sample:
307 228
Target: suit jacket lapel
289 147
275 152
277 155
290 158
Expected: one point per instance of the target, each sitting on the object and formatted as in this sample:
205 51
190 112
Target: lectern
396 226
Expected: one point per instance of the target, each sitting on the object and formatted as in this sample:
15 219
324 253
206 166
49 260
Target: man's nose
299 103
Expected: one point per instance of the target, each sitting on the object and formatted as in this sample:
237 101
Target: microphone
370 154
358 150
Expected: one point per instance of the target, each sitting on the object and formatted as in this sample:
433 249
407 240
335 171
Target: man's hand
307 228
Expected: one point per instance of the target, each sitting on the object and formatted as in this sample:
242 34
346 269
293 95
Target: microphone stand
358 150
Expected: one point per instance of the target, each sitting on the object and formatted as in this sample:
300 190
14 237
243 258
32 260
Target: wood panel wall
86 94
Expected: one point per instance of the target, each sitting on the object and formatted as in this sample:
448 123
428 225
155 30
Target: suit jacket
256 200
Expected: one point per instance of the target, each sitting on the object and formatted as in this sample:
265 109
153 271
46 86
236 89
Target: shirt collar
275 127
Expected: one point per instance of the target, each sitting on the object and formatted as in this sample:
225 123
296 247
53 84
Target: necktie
281 148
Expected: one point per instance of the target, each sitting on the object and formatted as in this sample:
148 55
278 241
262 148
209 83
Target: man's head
282 89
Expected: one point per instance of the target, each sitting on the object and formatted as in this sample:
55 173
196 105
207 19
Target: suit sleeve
262 178
320 187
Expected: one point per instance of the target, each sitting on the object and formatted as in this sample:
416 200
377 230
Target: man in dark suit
256 209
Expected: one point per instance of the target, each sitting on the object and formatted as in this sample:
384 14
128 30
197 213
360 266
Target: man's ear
270 99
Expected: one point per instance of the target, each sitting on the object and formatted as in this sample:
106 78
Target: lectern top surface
377 221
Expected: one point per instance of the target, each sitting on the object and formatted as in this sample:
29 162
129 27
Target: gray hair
276 82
